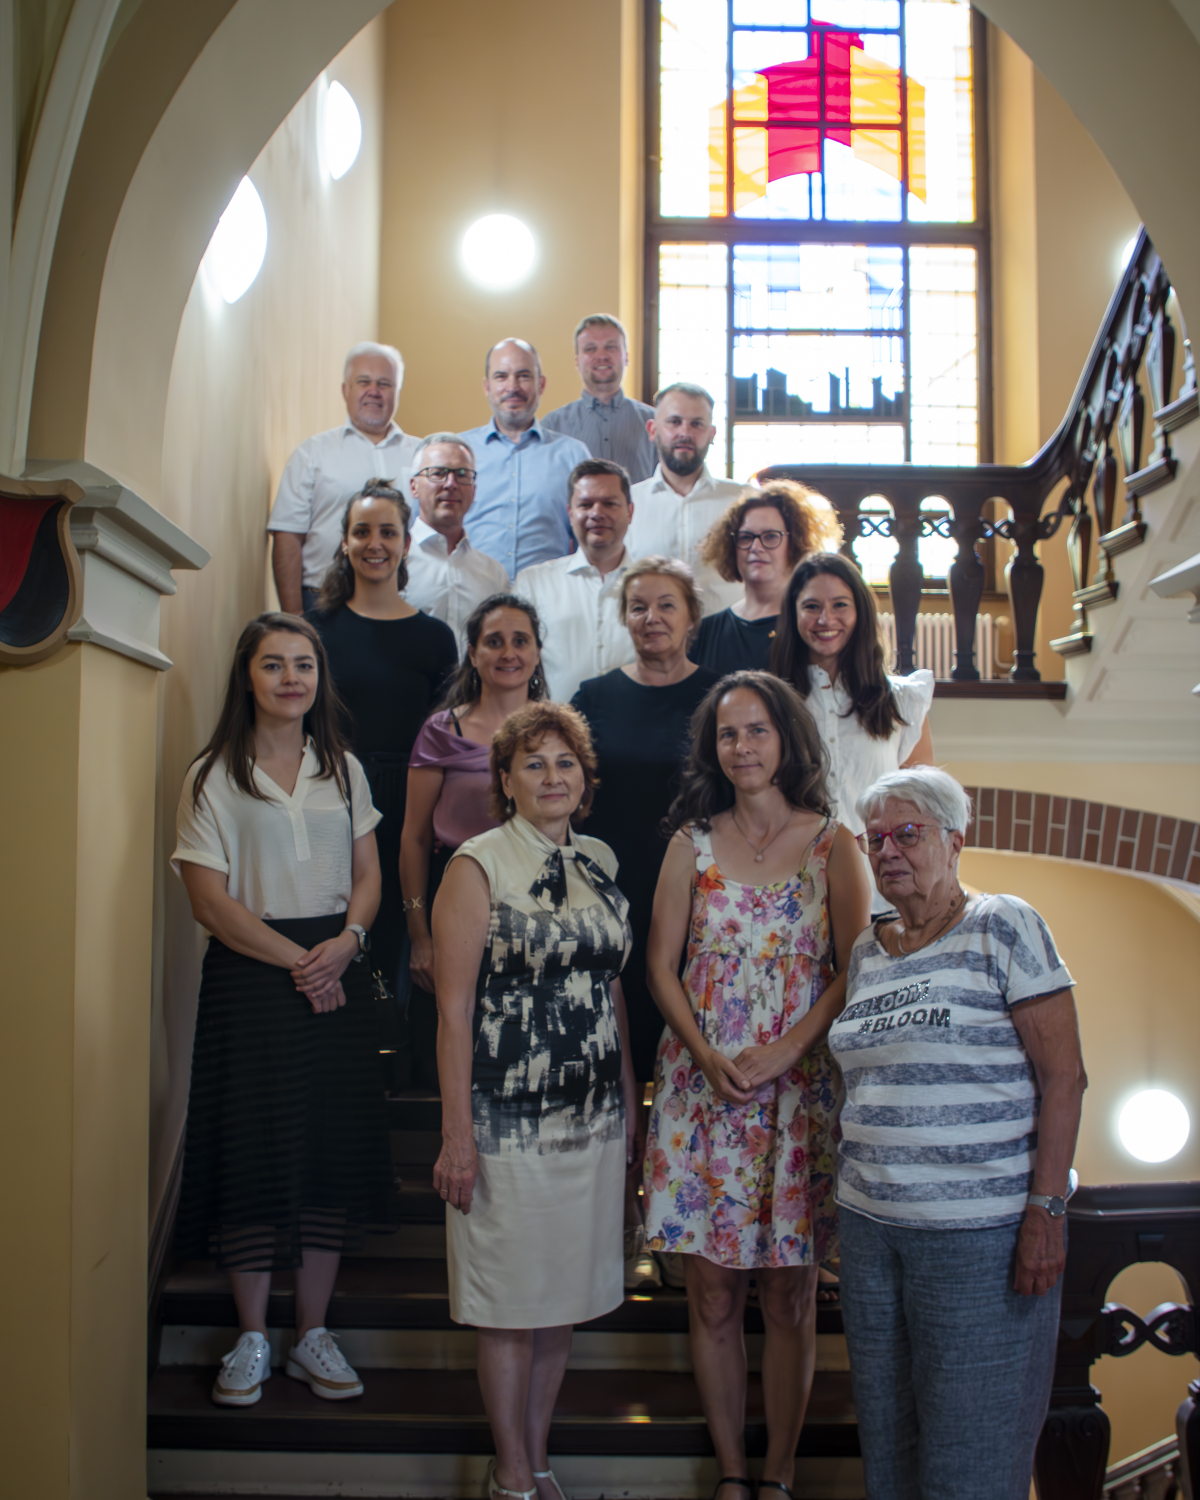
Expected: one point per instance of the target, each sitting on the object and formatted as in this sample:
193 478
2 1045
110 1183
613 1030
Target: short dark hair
592 467
599 320
525 729
803 764
684 388
522 343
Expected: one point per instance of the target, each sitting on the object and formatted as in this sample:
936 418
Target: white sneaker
317 1359
641 1269
670 1265
243 1371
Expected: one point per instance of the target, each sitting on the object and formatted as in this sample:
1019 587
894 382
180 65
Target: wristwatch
1054 1205
364 942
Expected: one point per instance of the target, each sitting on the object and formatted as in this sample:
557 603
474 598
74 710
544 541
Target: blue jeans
951 1368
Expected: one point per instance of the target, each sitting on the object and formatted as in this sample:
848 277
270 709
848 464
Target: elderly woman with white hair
960 1051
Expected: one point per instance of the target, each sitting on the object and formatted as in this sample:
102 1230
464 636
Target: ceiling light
341 130
1154 1125
498 251
239 243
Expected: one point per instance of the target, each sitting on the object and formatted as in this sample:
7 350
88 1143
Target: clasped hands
318 974
736 1080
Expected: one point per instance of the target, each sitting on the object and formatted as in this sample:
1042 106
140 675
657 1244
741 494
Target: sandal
774 1484
732 1479
549 1474
493 1488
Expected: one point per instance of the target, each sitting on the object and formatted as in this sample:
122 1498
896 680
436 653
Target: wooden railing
1152 1474
1108 405
1109 1228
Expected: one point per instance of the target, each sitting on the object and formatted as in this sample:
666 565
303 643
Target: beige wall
1134 954
248 382
497 110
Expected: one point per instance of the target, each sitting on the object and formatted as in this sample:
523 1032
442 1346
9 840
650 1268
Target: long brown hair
337 587
233 737
803 764
464 687
861 664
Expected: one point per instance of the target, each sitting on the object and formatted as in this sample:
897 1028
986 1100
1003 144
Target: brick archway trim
1095 833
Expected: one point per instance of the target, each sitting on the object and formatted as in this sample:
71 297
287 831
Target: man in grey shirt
608 423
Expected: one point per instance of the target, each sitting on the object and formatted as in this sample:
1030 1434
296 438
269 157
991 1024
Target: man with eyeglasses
447 576
675 507
326 470
606 421
520 514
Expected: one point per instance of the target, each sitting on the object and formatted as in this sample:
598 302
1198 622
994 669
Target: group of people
638 824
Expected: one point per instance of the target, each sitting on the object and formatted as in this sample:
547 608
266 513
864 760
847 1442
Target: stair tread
385 1292
437 1411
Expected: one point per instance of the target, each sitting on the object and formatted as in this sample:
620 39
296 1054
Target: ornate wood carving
966 582
1187 1430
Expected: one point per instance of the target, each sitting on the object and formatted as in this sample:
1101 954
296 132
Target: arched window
816 230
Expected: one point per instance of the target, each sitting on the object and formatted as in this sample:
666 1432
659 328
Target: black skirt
286 1147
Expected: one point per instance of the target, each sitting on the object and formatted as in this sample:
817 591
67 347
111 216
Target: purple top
461 810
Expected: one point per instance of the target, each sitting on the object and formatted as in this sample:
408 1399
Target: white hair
376 351
440 437
934 793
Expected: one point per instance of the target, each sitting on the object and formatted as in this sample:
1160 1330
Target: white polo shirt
448 585
287 856
323 474
674 525
581 620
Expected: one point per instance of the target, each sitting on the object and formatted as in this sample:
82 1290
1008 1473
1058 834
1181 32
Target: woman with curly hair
757 543
761 896
538 1094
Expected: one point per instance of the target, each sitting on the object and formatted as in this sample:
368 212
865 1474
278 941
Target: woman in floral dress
768 893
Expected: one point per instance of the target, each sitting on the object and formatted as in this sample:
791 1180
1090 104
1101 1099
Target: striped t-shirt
939 1129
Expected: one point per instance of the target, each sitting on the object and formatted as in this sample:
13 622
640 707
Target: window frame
977 235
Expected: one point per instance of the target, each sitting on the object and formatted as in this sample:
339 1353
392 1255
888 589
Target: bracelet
413 903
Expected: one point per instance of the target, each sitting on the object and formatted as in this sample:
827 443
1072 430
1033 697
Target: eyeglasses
904 836
438 475
770 539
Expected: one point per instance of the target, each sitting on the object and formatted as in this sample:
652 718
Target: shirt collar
587 399
704 481
578 563
392 432
494 433
424 536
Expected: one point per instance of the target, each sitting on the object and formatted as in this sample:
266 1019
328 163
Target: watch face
1056 1207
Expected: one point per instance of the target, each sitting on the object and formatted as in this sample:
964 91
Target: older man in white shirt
447 577
329 469
579 597
680 501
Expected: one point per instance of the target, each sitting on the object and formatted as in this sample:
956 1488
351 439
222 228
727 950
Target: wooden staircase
628 1420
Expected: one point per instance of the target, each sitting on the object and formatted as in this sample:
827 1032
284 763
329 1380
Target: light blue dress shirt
520 512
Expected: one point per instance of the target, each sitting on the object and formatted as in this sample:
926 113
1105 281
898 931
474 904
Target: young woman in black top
389 663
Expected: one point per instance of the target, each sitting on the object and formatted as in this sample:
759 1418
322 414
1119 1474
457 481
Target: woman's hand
1041 1253
323 966
759 1065
455 1171
420 962
725 1078
327 999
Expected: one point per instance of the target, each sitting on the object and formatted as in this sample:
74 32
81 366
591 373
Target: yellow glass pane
749 166
716 162
917 179
874 90
878 148
750 102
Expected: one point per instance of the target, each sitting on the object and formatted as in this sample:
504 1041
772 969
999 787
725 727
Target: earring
537 683
476 683
511 806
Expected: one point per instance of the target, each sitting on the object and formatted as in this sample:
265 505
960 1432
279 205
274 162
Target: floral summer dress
748 1185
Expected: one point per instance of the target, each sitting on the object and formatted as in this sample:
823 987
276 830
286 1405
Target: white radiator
933 646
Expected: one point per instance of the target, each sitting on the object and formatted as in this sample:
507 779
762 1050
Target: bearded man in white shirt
579 597
447 577
327 470
681 499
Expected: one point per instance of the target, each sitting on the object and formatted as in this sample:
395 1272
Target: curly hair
337 587
810 521
525 730
463 688
861 664
233 737
705 790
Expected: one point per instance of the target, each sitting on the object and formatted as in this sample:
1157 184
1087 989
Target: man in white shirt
681 499
579 597
328 470
447 577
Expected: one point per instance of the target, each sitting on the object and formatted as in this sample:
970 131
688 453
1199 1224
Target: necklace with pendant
758 853
955 908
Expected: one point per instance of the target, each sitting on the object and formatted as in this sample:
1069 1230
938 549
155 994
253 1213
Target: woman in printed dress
767 892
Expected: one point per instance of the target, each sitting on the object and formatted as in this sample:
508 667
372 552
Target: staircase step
414 1109
381 1292
440 1411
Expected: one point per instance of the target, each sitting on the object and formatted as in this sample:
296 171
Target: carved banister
1108 1229
1107 407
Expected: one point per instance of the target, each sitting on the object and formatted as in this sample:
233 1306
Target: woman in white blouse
286 1156
829 648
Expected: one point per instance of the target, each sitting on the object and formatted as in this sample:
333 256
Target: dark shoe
730 1479
773 1484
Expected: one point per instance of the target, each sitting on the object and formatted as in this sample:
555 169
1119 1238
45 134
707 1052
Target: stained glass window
818 246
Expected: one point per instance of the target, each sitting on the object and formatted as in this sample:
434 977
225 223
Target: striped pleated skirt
286 1147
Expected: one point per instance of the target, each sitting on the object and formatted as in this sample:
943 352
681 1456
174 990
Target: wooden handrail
1107 401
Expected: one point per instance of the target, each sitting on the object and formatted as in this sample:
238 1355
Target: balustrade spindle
965 582
1025 577
906 579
